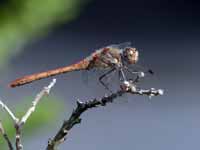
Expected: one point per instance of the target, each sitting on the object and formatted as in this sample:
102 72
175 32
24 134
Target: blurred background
40 35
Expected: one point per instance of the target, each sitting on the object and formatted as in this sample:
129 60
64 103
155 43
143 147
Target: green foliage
47 111
23 20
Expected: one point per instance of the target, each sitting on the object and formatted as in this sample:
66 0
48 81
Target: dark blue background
167 36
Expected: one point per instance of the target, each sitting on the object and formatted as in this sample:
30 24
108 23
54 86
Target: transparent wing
121 45
91 77
136 70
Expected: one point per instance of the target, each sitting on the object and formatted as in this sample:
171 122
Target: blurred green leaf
24 20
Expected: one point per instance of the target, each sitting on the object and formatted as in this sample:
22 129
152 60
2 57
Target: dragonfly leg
140 74
144 68
122 76
103 76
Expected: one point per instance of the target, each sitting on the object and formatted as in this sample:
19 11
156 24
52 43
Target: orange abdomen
37 76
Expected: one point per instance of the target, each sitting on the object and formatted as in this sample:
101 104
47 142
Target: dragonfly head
131 55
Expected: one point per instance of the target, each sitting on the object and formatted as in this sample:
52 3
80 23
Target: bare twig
18 123
10 113
5 136
46 90
127 87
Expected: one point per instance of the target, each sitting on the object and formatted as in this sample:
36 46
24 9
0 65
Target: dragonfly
116 57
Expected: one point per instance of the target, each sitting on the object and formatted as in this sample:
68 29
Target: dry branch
126 87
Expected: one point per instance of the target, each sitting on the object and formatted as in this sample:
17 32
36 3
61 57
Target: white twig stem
19 124
45 91
2 131
11 114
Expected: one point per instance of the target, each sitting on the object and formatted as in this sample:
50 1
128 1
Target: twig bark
74 119
5 136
